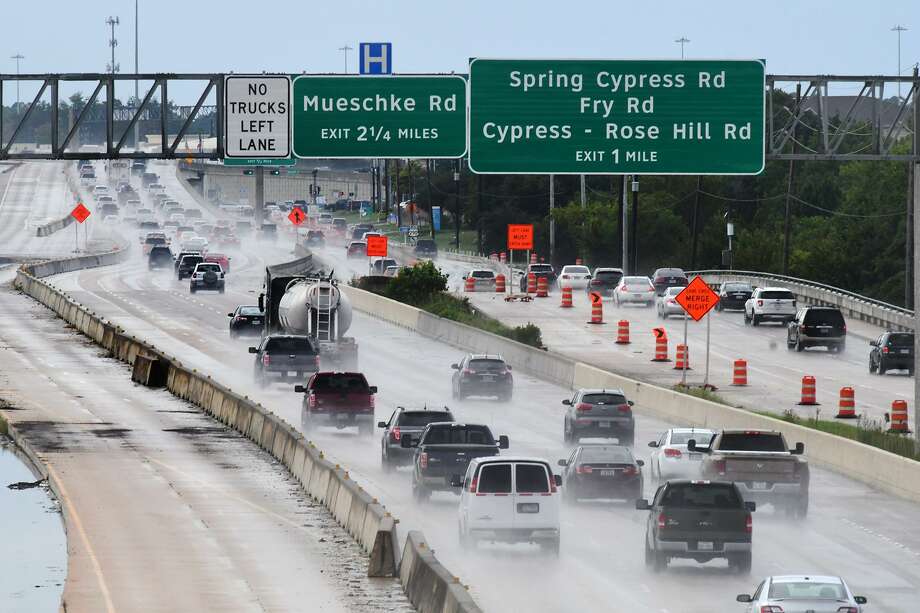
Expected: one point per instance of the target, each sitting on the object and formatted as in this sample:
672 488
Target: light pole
137 95
899 28
112 22
683 40
345 51
17 57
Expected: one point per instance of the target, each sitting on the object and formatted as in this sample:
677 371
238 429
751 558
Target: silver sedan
667 303
803 593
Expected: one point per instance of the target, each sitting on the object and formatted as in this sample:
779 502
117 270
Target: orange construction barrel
469 285
847 407
899 416
542 287
500 284
622 332
566 298
661 345
808 391
739 376
683 358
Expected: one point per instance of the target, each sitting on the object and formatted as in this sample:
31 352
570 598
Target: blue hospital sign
375 58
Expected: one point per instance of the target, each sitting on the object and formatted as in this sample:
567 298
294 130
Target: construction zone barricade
500 284
531 283
739 373
661 345
566 302
542 287
682 355
597 308
898 417
622 332
846 408
469 285
809 391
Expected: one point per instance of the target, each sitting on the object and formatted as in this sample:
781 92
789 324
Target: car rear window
736 287
607 275
541 268
682 438
701 496
191 260
619 455
494 479
290 345
581 270
482 274
751 441
531 478
777 295
824 317
901 340
636 281
487 365
340 382
467 435
604 399
669 272
807 590
425 244
250 311
155 240
208 268
418 419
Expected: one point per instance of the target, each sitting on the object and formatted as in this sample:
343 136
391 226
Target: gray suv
816 326
599 413
406 422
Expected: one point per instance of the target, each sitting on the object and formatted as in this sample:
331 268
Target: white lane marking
9 181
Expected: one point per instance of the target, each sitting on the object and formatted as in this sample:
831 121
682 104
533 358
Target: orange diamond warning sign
80 212
697 298
297 216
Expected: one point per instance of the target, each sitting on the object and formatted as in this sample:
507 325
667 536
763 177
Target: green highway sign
259 162
616 116
398 116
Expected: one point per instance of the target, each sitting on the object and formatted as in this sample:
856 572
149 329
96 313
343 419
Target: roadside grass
699 392
460 310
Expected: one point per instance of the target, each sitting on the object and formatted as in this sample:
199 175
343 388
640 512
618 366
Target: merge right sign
616 116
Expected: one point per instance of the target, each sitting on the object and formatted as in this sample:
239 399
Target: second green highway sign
616 116
379 117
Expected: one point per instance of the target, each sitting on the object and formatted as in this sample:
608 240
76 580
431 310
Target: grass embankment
424 287
4 428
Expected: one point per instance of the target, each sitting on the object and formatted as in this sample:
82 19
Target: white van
509 500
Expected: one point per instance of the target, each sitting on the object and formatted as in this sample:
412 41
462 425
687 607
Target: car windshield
578 270
751 441
807 590
341 382
824 317
777 295
290 345
419 419
250 311
466 435
702 438
486 365
619 455
736 287
701 496
604 399
901 339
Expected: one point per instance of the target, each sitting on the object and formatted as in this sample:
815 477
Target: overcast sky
794 36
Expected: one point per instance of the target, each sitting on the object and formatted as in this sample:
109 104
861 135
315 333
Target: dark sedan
602 471
246 321
732 296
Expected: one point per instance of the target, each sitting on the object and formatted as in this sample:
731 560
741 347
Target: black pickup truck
699 520
444 450
284 357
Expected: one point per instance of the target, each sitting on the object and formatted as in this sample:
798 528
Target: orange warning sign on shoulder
660 333
596 298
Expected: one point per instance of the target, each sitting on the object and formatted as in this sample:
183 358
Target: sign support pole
706 377
683 371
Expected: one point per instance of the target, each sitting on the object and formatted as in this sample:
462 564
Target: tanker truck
300 301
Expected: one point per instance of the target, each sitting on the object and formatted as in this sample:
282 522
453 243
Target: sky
794 36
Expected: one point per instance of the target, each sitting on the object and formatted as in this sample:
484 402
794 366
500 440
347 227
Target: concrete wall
362 516
886 471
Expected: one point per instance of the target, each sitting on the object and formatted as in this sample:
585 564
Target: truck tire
191 289
385 464
420 493
747 318
755 321
655 560
741 563
259 376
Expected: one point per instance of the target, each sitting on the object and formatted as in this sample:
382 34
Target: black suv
159 257
599 413
482 375
892 351
186 264
406 422
734 296
246 320
284 357
663 278
426 248
817 326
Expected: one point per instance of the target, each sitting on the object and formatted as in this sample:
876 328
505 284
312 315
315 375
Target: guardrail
852 304
427 584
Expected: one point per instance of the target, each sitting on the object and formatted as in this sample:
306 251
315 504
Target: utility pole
388 186
479 214
635 223
624 206
345 51
457 204
787 222
398 198
137 93
552 222
683 40
915 150
260 195
113 42
909 269
695 223
430 201
17 57
899 28
584 196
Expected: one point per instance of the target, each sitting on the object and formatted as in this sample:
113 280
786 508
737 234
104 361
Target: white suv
770 304
207 276
510 500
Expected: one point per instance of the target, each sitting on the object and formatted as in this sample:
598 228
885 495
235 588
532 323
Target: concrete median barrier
430 588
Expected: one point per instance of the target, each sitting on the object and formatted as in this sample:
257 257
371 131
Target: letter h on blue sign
375 58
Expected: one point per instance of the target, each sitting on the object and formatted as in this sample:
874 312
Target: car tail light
581 469
595 282
373 403
423 460
312 398
771 608
474 484
624 408
565 276
630 471
662 521
552 485
802 328
624 289
672 453
266 359
719 466
884 349
748 523
760 303
395 433
469 371
583 406
847 610
672 301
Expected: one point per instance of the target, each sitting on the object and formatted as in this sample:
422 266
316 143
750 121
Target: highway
851 530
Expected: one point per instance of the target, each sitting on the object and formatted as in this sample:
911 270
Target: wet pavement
33 546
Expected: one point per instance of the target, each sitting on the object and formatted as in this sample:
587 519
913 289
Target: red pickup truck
338 399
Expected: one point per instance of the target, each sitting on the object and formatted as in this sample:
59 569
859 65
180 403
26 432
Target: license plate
488 377
256 323
704 545
528 507
292 373
603 424
696 456
904 351
759 485
637 295
608 473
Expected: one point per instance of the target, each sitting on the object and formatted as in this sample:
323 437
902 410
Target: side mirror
557 479
503 442
381 424
750 505
373 389
567 402
653 443
631 403
799 449
508 366
691 445
253 350
563 462
860 599
642 504
299 389
455 366
456 481
229 314
873 343
744 598
640 462
262 302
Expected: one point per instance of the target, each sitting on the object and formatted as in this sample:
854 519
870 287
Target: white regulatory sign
258 116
